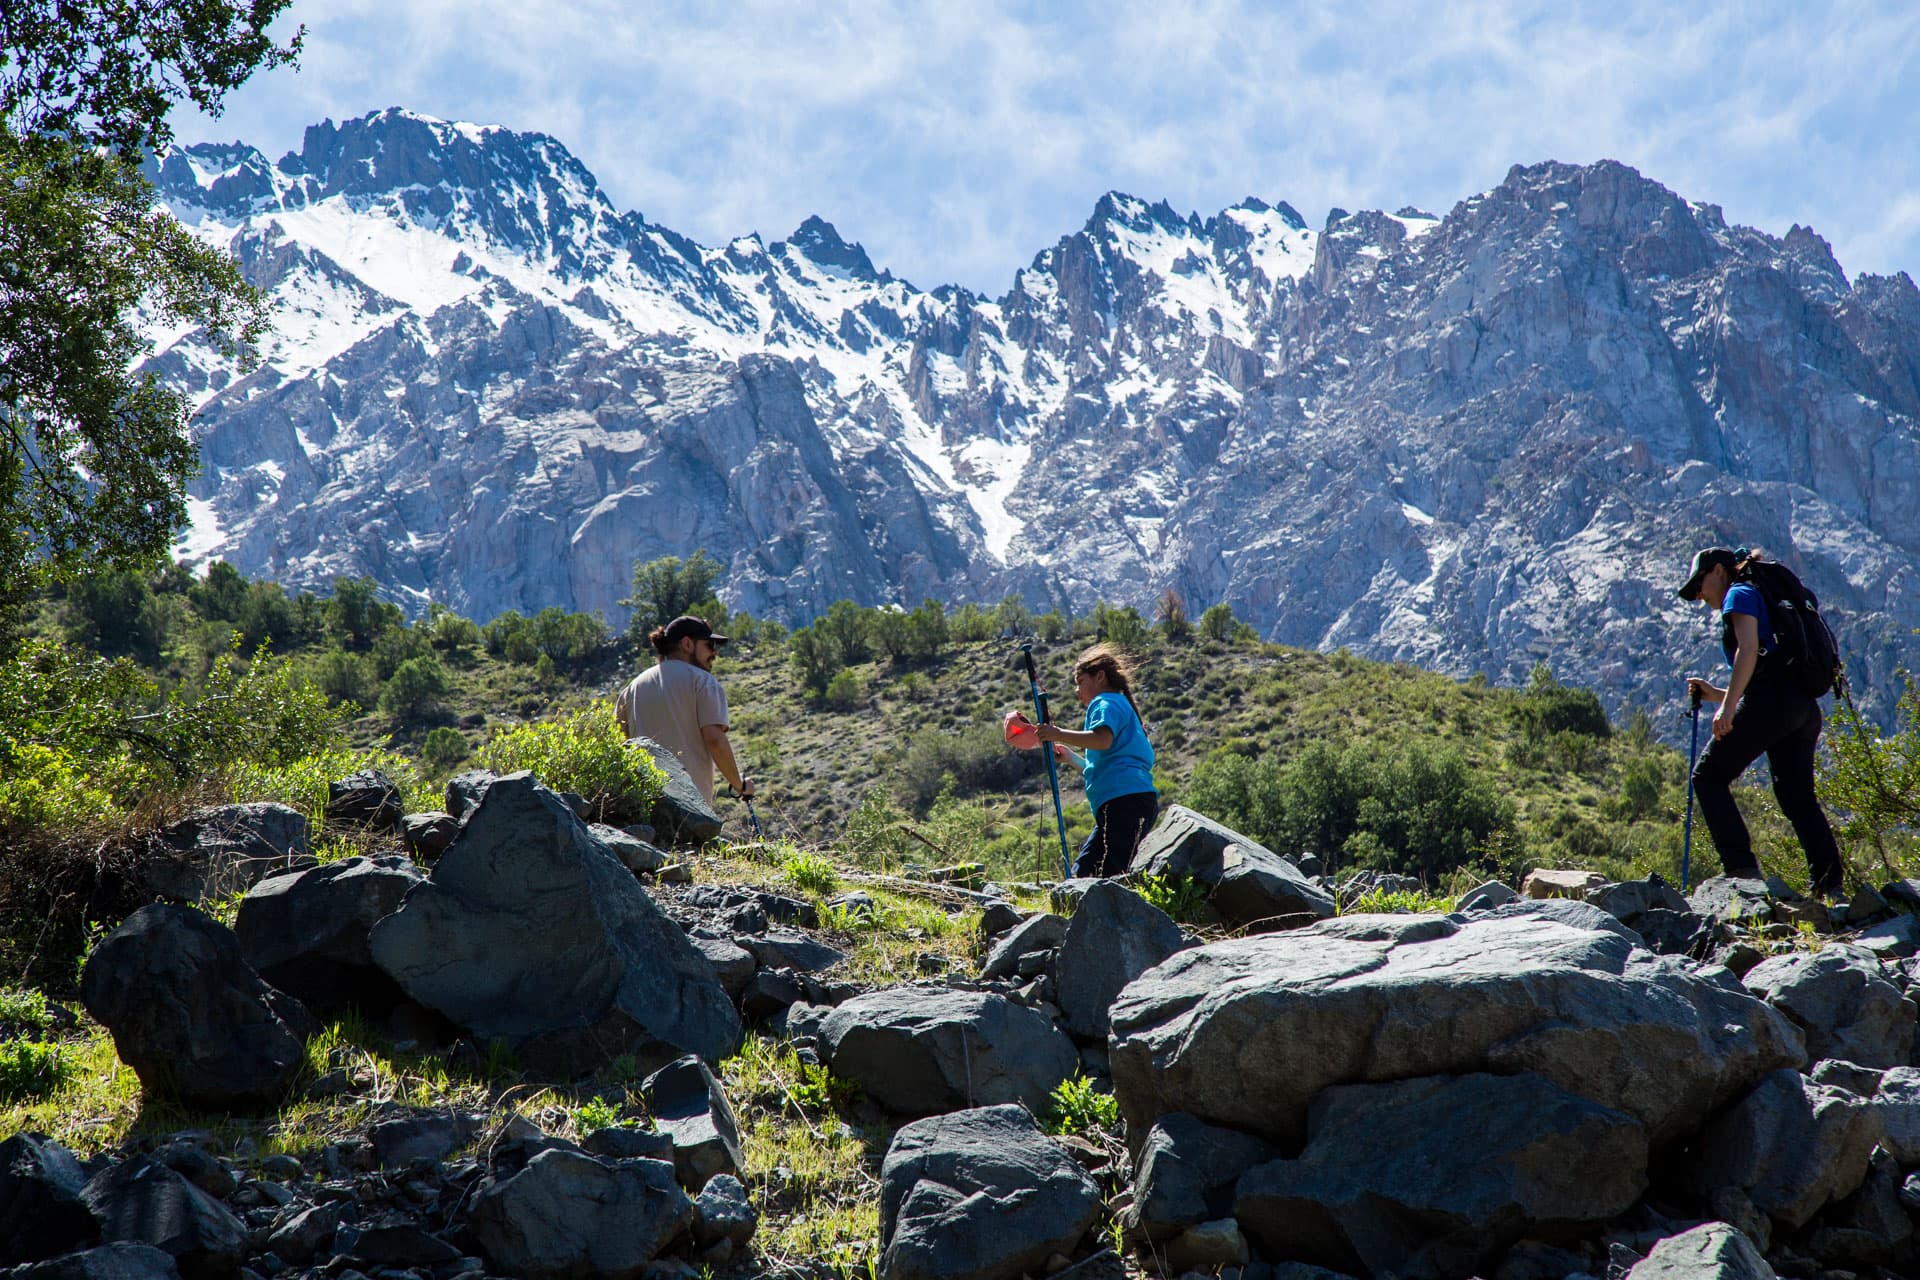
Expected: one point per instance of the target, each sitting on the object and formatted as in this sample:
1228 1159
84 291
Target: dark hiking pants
1776 720
1118 828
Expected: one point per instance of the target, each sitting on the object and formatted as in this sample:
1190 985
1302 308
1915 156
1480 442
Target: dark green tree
665 588
94 458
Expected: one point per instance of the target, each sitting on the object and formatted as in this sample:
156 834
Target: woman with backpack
1761 711
1119 766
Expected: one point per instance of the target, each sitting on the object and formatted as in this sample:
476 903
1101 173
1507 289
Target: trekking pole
754 818
1053 769
1693 754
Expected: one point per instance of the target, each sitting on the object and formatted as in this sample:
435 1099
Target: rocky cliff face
1472 442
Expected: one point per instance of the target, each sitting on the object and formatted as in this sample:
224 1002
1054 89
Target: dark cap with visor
687 625
1704 561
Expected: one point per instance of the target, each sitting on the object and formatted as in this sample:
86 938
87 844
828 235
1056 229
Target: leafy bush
1549 707
30 1069
970 623
444 748
416 688
1397 902
667 587
1216 621
1181 897
1871 779
23 1010
346 678
1078 1106
302 783
595 1114
815 659
972 760
810 872
846 691
585 753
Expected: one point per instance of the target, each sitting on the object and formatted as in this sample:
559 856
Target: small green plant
30 1069
444 748
595 1114
24 1009
1181 897
1077 1105
1397 902
810 873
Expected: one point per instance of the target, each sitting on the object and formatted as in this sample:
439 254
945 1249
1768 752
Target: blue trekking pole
1693 754
1053 769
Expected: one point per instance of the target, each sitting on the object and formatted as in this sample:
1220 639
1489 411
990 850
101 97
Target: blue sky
955 140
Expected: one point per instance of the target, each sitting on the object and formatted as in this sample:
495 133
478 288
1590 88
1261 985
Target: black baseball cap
1703 562
687 625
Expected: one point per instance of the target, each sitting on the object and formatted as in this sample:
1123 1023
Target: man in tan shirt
680 705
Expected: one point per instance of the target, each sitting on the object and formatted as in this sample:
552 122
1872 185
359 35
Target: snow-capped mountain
1471 442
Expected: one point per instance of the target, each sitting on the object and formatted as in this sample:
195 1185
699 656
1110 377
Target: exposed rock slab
1114 937
41 1212
919 1050
1711 1251
1792 1145
306 933
1247 884
1245 1033
568 1216
681 816
530 931
143 1202
217 852
979 1195
1842 1002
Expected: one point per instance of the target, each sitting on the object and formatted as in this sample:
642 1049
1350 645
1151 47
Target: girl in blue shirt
1119 764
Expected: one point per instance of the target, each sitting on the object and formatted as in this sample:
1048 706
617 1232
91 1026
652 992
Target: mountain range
1473 442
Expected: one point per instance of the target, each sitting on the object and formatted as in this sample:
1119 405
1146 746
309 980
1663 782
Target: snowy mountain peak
822 245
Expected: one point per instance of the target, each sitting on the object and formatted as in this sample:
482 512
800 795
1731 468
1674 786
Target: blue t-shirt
1744 597
1126 767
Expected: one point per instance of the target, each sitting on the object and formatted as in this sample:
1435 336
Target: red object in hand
1021 732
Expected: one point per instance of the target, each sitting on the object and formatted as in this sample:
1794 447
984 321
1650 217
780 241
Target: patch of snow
1415 514
203 535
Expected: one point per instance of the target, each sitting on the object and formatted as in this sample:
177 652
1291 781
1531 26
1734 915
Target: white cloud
957 140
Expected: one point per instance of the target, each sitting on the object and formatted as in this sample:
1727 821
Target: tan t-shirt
670 702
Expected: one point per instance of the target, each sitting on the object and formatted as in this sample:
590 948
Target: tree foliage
665 588
95 458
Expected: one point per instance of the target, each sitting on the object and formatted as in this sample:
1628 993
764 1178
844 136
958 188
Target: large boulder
190 1016
1842 1002
682 815
368 800
1711 1251
1898 1102
143 1202
214 853
1038 933
1499 1158
568 1216
306 933
1246 1032
529 931
1247 884
979 1195
41 1212
121 1260
918 1050
1114 937
1791 1145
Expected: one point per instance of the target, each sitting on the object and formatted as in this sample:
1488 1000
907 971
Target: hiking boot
1829 885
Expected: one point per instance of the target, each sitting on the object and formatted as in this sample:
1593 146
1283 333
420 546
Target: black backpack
1803 651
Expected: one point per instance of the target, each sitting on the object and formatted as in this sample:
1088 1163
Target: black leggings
1118 828
1779 721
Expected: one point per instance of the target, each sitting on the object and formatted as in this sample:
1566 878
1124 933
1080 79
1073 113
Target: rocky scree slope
1470 442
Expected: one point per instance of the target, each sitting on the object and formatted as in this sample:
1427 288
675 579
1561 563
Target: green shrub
585 753
810 873
1181 897
23 1009
815 659
972 760
303 783
417 686
1078 1106
1216 621
444 748
346 678
30 1069
595 1114
846 691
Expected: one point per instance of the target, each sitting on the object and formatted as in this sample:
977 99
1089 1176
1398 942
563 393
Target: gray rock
1501 1157
1631 898
919 1050
1113 938
1710 1251
1208 1247
1897 1100
681 815
722 1212
1732 900
464 791
121 1260
1894 939
1577 915
691 1109
427 835
1487 896
306 933
627 1142
1040 932
528 930
400 1245
1792 1145
197 1166
1065 896
1185 1175
217 852
144 1202
189 1015
1841 1002
1861 1082
996 918
367 800
732 964
399 1142
568 1216
1245 1033
1247 885
979 1195
1870 1228
41 1212
304 1234
795 951
769 993
636 855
